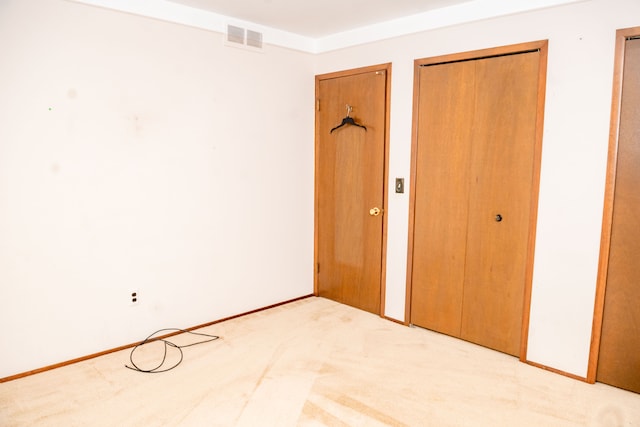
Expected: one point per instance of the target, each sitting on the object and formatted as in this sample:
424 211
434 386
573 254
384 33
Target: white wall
579 83
141 155
138 154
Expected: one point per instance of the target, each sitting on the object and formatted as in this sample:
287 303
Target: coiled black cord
167 344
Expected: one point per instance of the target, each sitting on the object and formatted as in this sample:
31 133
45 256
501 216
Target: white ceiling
318 18
317 26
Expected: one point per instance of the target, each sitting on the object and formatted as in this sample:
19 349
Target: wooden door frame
609 194
383 265
542 47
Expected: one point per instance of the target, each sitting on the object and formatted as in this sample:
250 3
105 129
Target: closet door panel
446 103
501 170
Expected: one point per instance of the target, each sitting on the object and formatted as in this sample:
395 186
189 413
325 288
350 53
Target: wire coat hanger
348 120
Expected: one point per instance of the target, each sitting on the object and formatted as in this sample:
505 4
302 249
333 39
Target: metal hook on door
348 120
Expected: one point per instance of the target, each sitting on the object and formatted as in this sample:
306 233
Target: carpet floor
314 362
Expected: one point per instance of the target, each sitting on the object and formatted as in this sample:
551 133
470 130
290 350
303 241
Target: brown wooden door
474 180
441 194
502 147
350 176
619 358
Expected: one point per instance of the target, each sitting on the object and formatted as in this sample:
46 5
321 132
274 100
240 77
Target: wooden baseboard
124 347
555 371
391 319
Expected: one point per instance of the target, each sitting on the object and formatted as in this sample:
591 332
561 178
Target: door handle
375 211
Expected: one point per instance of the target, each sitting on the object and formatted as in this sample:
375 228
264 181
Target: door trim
607 214
386 68
542 47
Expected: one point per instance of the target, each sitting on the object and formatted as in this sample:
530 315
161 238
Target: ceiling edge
180 14
471 11
463 13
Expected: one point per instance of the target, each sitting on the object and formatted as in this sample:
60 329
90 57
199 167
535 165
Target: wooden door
350 190
476 165
446 104
619 358
502 151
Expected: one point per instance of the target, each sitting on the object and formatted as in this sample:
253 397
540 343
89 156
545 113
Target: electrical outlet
134 297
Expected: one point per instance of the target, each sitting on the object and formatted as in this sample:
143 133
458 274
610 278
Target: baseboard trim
391 319
556 371
124 347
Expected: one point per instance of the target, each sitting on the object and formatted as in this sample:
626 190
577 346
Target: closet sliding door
475 180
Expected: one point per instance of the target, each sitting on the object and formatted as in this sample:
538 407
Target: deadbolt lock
375 211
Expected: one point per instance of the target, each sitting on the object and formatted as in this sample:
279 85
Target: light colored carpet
315 362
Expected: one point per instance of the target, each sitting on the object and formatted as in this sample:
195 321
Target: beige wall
578 100
141 155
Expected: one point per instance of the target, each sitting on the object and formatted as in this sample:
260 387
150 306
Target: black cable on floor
167 344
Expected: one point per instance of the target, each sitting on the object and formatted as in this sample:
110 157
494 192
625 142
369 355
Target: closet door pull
498 218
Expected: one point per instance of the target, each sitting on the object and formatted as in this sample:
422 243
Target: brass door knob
374 211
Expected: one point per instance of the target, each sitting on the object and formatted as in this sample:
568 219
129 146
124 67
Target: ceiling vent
254 39
235 34
243 38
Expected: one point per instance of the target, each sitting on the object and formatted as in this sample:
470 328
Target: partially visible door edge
607 214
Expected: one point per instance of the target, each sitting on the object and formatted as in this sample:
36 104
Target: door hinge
318 104
318 268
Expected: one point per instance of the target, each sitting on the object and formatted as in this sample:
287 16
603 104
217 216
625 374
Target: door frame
542 47
386 68
609 194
